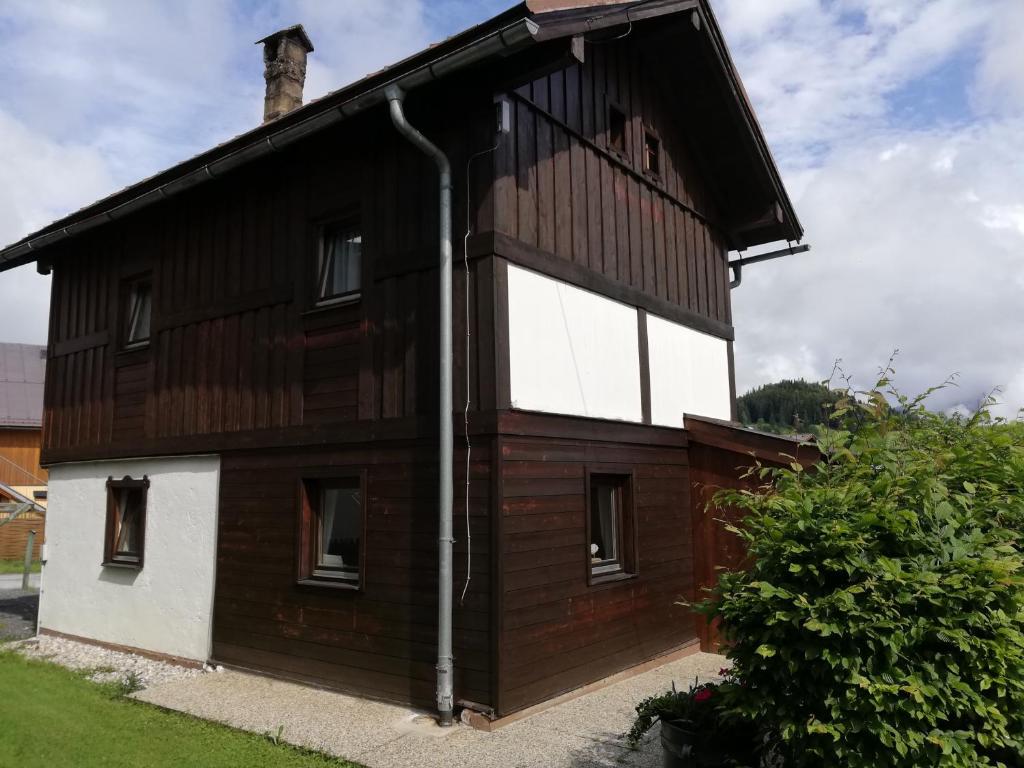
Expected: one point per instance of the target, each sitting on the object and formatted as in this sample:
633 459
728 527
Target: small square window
138 312
616 129
611 539
339 266
652 154
331 531
126 522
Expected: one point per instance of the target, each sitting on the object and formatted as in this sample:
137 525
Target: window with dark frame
331 535
616 129
138 312
125 539
339 262
652 154
610 523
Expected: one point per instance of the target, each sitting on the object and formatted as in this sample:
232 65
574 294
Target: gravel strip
103 665
585 732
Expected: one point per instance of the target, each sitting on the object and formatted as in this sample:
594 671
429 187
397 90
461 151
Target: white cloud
999 84
916 232
97 97
903 258
821 72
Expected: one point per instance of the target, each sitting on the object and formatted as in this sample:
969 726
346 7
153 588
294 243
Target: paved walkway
13 580
18 614
582 733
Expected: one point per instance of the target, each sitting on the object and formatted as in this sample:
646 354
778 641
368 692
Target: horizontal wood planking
14 537
19 457
558 633
381 640
560 187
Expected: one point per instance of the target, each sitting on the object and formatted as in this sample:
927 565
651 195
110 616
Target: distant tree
786 406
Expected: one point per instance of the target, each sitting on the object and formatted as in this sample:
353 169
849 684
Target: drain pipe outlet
395 97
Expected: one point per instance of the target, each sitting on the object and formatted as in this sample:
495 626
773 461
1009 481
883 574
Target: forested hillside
786 406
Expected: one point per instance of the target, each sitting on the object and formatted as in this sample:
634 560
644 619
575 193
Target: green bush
880 622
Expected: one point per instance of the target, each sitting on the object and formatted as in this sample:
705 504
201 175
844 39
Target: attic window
616 129
138 312
652 154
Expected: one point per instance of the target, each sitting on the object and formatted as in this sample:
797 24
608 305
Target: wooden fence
13 536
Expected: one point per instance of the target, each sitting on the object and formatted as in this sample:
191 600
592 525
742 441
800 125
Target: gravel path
582 733
18 614
105 665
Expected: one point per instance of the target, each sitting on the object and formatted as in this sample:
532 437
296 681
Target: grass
17 566
51 715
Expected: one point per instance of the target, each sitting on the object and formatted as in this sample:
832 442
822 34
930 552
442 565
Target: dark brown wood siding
236 348
382 640
560 186
557 632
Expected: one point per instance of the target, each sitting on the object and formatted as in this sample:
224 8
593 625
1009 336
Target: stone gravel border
103 665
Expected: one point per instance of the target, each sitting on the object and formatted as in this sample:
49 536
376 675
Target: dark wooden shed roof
22 367
732 143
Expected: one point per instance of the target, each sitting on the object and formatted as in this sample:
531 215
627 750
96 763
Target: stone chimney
284 56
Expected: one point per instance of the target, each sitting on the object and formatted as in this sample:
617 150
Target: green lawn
16 566
50 716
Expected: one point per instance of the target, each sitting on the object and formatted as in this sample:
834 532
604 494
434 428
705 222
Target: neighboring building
22 480
242 390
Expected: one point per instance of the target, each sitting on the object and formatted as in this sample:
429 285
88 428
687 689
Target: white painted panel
167 606
689 373
571 351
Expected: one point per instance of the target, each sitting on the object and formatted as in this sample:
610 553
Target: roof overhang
527 24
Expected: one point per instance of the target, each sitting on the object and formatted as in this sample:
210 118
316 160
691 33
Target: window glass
126 522
617 129
652 151
612 548
340 264
129 506
139 313
340 531
604 523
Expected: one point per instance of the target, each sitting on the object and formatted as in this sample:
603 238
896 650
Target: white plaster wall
689 373
571 351
165 607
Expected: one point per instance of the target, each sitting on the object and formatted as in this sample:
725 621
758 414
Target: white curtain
605 523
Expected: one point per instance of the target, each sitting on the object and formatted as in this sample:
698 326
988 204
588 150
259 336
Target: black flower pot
682 749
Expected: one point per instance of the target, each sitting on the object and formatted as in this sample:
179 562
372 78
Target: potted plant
697 731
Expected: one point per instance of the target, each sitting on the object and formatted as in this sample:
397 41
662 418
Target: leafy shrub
880 621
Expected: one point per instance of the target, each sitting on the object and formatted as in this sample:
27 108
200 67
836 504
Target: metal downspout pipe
445 696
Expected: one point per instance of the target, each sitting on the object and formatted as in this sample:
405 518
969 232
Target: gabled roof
22 367
17 497
530 23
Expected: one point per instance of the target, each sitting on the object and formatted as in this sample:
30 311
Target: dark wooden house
241 415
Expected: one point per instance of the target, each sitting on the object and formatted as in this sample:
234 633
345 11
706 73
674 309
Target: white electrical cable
465 413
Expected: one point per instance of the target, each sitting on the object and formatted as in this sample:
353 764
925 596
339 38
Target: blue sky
898 125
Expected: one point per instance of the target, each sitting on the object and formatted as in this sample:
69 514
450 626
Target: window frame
308 528
626 529
111 558
347 220
128 285
621 152
652 135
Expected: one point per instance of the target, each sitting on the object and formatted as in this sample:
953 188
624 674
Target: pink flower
702 695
